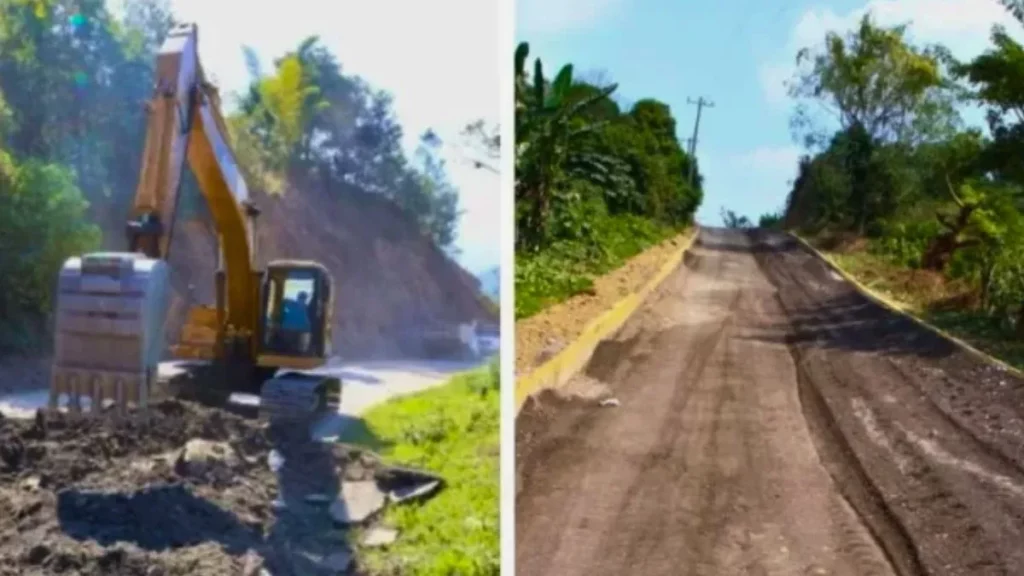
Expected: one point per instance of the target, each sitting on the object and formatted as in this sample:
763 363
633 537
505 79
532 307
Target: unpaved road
773 421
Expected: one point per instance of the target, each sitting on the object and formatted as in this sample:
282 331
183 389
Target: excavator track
297 396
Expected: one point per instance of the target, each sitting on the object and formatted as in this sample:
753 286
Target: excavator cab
297 305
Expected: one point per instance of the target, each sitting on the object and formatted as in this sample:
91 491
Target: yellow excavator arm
185 122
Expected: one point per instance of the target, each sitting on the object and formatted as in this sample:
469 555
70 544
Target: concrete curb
564 365
896 308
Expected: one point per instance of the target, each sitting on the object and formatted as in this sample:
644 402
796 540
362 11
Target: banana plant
548 127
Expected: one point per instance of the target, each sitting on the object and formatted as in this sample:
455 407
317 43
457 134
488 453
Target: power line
700 103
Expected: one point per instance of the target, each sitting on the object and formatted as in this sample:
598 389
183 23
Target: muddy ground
773 421
112 496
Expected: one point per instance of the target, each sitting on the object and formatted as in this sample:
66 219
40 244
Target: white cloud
963 26
440 60
534 17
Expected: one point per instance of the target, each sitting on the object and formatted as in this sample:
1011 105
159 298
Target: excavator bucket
110 316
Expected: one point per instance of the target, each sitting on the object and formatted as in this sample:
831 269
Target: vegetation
73 81
595 184
452 431
904 186
732 220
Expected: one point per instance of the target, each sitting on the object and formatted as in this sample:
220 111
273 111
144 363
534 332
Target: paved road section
772 421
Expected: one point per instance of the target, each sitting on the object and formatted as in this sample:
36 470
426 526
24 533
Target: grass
934 299
567 268
452 430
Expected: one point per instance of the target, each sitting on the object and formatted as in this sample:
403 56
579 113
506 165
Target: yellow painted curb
899 309
564 365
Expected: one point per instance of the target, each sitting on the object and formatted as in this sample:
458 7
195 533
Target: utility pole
701 103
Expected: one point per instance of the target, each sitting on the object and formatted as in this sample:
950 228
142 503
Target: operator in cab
296 313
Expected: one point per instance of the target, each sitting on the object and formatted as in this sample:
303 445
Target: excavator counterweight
268 327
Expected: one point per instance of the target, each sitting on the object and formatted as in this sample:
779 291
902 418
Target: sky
440 61
737 53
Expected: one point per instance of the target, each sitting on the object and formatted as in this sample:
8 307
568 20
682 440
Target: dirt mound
120 495
390 280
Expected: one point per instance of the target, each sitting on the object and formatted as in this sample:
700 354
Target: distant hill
490 283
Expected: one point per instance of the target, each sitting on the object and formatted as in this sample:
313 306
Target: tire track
707 467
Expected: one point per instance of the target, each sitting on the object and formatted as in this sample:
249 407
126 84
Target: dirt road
773 421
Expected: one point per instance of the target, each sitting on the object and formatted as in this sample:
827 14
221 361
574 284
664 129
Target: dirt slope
389 280
772 421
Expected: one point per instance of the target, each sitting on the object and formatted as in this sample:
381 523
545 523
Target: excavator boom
184 123
112 306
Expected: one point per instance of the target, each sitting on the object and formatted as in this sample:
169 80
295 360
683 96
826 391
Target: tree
42 223
872 78
487 141
771 220
547 126
732 220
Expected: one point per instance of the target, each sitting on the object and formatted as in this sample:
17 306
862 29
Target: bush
42 223
568 267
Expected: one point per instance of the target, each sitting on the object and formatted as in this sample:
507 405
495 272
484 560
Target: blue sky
737 53
440 60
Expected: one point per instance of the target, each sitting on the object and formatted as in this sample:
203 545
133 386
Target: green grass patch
568 267
453 431
929 301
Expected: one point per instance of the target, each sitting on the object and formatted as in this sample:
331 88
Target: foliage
732 220
486 140
452 431
73 81
588 174
873 79
899 169
568 267
771 220
41 224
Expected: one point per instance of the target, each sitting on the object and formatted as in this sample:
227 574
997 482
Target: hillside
389 279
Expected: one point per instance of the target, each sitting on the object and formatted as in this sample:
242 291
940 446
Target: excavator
269 327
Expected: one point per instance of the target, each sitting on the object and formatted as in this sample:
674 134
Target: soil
773 421
544 334
109 495
390 281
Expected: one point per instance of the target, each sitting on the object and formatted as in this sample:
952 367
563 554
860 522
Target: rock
339 561
414 492
30 484
379 536
357 502
201 458
252 564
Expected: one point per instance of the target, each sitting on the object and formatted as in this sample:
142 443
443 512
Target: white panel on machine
110 315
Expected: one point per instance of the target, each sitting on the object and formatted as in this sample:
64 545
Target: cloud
963 26
536 17
440 60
